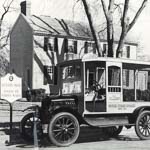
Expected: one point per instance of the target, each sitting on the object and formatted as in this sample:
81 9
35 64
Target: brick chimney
26 8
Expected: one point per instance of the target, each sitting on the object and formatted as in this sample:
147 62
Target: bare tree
125 25
4 37
6 7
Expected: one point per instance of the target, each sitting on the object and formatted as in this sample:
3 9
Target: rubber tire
111 131
52 123
26 136
137 130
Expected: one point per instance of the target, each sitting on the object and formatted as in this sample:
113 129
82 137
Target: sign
10 88
126 107
114 96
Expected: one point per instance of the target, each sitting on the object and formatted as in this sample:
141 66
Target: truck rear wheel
63 129
113 131
142 126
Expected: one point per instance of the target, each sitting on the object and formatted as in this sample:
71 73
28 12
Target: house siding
21 51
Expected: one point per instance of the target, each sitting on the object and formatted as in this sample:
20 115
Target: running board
106 121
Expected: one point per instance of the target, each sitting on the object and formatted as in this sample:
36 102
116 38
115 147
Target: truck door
114 84
95 88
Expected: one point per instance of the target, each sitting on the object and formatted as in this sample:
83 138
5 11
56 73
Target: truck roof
130 63
94 57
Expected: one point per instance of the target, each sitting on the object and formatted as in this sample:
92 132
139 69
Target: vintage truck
109 93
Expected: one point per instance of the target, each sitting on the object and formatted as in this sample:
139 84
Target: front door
114 84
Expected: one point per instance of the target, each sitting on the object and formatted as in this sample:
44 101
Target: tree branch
143 5
6 9
46 24
73 8
104 9
64 26
125 10
111 5
119 9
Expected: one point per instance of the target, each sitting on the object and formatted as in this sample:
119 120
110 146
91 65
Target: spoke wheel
63 129
27 125
142 126
113 131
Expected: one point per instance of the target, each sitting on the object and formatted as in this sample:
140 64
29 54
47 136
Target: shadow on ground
87 134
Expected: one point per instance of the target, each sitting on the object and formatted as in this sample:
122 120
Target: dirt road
89 139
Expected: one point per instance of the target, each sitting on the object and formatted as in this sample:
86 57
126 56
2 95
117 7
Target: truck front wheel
142 126
63 129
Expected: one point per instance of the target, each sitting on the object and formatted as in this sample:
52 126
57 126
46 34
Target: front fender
72 111
136 112
32 108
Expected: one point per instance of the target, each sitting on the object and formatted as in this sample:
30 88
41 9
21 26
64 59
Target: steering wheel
95 86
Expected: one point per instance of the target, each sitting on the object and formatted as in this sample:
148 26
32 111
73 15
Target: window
50 44
91 79
128 78
90 47
50 75
105 47
71 72
70 46
71 79
114 78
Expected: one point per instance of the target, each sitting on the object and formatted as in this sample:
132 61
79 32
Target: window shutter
50 47
48 75
128 51
86 47
56 44
127 77
75 47
66 45
45 74
94 48
45 44
28 78
55 75
104 49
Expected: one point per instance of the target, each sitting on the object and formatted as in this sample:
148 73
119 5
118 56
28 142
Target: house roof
67 28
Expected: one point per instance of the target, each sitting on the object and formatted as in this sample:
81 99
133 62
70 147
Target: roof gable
21 16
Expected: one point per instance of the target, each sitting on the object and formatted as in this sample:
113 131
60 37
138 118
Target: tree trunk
120 44
110 30
110 37
94 34
125 26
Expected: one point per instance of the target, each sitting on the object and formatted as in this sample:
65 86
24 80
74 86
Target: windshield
71 79
71 72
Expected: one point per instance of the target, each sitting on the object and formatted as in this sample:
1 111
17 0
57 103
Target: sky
64 9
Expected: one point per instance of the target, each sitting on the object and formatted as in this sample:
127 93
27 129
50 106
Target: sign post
10 91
